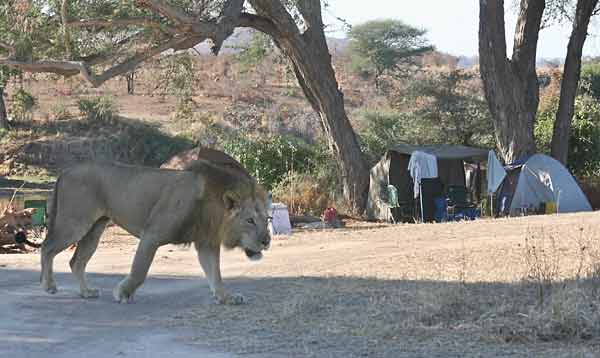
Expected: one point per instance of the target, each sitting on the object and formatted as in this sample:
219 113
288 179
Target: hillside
262 99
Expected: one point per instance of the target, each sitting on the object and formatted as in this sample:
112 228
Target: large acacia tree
511 84
103 39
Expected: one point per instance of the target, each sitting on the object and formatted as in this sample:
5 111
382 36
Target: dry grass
326 315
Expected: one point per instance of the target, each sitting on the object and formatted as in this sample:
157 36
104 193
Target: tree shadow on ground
56 144
316 316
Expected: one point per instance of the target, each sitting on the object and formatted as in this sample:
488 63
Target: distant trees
385 45
511 85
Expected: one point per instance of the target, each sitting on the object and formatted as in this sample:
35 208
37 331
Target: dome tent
540 179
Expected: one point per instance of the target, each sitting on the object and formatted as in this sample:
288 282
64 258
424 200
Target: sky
453 24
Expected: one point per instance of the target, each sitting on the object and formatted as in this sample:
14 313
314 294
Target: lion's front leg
144 255
209 258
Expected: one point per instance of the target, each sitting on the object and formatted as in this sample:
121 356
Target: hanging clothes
422 166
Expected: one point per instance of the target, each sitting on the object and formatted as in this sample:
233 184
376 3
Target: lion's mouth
253 255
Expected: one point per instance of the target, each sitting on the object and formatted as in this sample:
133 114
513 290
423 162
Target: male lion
206 204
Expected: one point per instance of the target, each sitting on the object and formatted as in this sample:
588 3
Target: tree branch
142 22
64 16
527 34
12 51
71 68
226 23
259 23
163 8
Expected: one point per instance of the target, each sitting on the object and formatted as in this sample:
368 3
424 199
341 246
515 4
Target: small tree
452 108
385 45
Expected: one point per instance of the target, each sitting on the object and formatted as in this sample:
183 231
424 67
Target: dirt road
395 291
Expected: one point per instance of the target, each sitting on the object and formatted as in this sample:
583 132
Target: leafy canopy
384 45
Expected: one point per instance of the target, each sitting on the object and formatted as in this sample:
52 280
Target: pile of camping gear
22 215
440 183
15 227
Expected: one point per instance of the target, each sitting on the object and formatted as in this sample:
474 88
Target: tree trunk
130 77
511 86
570 80
3 115
311 61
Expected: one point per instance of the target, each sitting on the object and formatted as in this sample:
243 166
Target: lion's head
246 220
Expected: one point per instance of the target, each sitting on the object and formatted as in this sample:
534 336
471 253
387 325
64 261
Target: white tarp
544 179
422 166
280 224
495 173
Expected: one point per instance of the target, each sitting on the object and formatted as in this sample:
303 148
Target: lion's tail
49 240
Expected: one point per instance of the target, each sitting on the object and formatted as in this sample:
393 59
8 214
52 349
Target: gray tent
393 169
540 179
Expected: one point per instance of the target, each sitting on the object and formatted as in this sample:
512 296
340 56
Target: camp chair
38 220
404 207
457 199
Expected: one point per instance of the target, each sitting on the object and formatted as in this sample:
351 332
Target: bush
380 130
303 194
584 143
270 159
60 112
23 105
101 108
590 79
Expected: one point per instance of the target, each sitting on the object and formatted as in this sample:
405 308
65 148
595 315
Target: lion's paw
121 296
49 287
90 293
233 299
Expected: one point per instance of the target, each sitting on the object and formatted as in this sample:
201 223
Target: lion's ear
231 200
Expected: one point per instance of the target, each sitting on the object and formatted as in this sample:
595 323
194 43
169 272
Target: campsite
312 178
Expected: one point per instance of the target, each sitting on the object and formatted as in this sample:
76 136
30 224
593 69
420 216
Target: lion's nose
266 241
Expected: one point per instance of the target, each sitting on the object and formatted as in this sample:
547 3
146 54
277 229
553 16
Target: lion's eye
251 221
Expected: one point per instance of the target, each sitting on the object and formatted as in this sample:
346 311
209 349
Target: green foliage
60 112
383 45
102 108
453 109
382 129
256 51
268 159
5 74
584 142
178 77
444 107
590 79
22 105
23 100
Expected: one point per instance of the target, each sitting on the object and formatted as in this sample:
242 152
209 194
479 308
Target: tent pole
421 200
492 205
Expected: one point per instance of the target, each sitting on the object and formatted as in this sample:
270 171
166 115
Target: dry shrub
303 194
542 261
565 310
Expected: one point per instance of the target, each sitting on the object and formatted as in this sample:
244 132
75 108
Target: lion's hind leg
84 252
62 235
